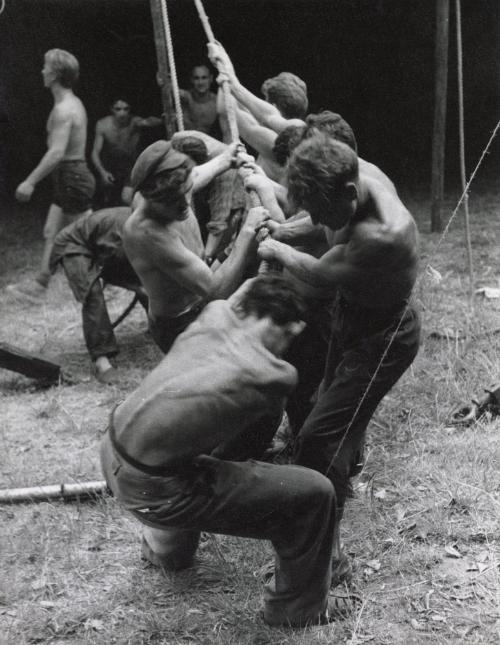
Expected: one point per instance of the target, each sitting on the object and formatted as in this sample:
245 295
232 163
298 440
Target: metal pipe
82 490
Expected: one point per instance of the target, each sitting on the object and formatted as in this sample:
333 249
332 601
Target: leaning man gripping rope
375 331
180 451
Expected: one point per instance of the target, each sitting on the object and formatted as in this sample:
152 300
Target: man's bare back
373 240
380 248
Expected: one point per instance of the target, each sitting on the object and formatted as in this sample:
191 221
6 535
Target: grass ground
422 530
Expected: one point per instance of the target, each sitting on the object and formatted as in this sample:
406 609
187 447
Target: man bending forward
170 453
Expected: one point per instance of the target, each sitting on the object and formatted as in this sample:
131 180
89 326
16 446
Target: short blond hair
65 66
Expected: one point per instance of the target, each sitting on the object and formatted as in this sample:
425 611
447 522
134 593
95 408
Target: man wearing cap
163 242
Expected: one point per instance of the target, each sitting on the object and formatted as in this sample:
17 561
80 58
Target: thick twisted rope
265 266
230 109
171 62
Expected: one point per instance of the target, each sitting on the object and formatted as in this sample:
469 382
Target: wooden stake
163 69
439 132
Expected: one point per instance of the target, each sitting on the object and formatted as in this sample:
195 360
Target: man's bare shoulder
386 230
63 111
145 237
104 125
374 172
71 105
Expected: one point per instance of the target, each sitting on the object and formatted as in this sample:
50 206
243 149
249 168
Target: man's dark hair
289 93
317 171
273 295
204 64
286 141
120 98
332 124
193 147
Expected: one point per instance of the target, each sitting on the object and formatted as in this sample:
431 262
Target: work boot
341 604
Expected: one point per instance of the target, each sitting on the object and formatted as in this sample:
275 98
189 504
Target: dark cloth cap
156 158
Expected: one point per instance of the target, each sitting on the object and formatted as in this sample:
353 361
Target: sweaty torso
201 114
71 107
120 143
167 296
379 249
217 379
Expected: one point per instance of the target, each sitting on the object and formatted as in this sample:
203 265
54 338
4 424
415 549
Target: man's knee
320 490
54 222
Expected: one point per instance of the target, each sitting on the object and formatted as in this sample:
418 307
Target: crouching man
175 450
91 250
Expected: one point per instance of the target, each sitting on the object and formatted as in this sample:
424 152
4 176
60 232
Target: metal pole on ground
66 492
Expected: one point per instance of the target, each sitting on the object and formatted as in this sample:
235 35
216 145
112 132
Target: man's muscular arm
297 229
228 275
265 113
148 122
107 177
256 135
371 248
331 269
204 174
258 182
59 138
177 262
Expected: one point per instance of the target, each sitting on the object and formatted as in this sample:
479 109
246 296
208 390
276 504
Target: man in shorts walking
74 184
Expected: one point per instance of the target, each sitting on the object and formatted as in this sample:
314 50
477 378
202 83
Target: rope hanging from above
265 266
171 63
230 111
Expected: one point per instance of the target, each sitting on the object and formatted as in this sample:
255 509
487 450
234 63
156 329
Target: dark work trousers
333 433
165 330
83 278
291 506
308 354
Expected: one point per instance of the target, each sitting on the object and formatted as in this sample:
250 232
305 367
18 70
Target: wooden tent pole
439 131
163 68
461 133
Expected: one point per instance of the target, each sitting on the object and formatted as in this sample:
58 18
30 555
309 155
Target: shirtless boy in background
115 149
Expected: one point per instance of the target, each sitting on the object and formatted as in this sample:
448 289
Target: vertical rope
462 149
230 110
264 266
171 62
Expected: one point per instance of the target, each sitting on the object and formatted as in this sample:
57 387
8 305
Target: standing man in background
74 184
199 104
115 149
